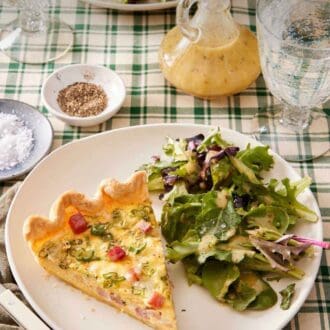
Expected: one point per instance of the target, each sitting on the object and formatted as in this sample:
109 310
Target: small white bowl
109 80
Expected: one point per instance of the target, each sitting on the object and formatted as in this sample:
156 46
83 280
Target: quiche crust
38 229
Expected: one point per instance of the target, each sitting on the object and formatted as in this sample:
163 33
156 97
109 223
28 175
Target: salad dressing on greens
225 224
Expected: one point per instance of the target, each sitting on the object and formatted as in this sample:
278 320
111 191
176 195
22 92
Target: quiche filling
112 246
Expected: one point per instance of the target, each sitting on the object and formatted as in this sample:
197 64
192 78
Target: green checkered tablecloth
128 43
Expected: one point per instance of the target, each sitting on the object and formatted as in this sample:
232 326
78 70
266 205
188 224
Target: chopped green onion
112 278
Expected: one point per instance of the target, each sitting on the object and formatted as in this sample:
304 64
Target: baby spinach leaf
178 250
218 276
179 218
250 291
193 270
220 223
241 296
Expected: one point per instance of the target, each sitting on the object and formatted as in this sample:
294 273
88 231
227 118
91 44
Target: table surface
129 43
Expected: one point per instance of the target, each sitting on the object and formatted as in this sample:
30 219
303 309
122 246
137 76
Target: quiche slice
108 247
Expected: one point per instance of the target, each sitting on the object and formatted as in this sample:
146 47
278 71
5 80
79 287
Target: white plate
82 165
113 4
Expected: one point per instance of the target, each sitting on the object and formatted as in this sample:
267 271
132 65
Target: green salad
226 225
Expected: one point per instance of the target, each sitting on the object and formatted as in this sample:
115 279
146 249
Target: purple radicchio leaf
214 147
167 170
278 252
231 151
206 176
241 201
309 241
169 181
195 141
217 156
268 252
201 158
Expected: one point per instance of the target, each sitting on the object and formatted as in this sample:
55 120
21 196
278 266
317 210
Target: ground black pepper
82 99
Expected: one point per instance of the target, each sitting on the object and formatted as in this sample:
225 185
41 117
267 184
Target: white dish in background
108 79
82 165
144 6
42 133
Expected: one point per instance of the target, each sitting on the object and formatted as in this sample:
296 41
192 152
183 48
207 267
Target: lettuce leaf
218 276
250 291
176 149
269 217
257 159
214 138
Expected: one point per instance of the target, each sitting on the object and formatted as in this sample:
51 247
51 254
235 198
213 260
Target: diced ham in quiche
78 223
116 253
157 300
144 226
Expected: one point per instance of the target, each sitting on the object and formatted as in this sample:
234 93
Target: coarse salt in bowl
106 78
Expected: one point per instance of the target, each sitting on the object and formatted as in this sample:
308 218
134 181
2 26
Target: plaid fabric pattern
129 43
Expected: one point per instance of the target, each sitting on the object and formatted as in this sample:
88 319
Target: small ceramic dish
109 80
42 133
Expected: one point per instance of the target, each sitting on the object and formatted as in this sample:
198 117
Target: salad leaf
176 149
220 171
244 170
252 292
287 295
286 198
178 190
238 246
266 296
324 245
218 276
189 170
257 159
178 218
270 217
241 296
212 220
193 270
278 255
155 173
213 139
181 249
197 229
259 263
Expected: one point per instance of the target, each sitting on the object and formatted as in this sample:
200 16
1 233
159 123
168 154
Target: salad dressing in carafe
209 55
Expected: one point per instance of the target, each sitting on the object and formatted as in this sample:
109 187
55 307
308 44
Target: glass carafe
209 55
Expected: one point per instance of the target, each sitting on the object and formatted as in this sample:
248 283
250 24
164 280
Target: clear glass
209 55
294 46
34 37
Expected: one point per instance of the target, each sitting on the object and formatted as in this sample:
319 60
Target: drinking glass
33 37
294 48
